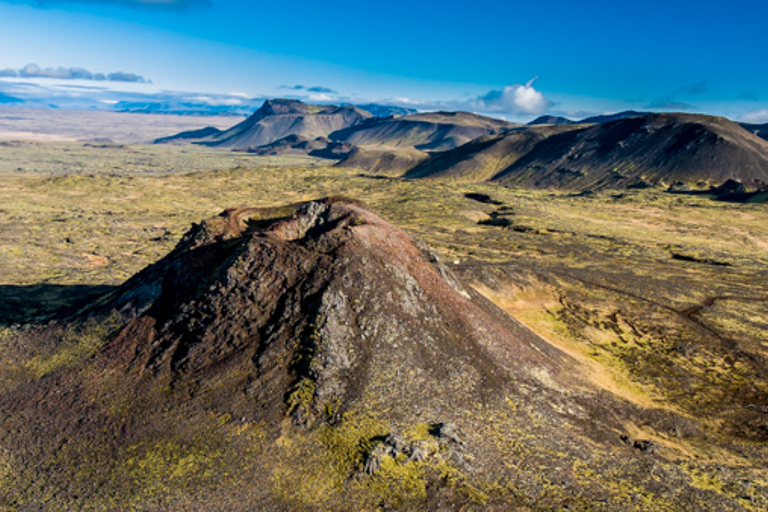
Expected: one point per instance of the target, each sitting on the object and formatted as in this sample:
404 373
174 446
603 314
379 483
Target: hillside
484 157
383 161
693 151
651 150
429 131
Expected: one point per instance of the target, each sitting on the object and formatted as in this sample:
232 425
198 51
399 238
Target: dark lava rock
316 304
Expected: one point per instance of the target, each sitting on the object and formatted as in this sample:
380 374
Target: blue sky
506 58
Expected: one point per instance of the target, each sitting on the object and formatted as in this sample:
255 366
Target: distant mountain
646 150
427 132
761 130
279 118
607 118
387 110
551 120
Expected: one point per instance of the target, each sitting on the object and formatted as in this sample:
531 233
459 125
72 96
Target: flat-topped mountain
277 119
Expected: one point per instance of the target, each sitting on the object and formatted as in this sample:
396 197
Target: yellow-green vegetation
301 398
333 454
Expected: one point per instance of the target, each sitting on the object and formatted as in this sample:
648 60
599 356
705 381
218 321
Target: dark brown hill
650 150
427 132
484 157
326 292
314 357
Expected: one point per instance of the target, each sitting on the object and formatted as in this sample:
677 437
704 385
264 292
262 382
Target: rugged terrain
323 332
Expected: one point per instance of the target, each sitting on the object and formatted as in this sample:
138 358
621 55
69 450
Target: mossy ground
593 274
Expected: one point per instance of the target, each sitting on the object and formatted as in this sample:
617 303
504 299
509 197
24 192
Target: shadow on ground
23 304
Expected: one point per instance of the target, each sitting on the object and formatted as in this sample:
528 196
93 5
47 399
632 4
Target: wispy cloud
756 117
321 89
315 89
62 73
119 76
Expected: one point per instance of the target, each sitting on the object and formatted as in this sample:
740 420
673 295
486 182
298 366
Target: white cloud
513 99
320 97
407 101
756 117
61 73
